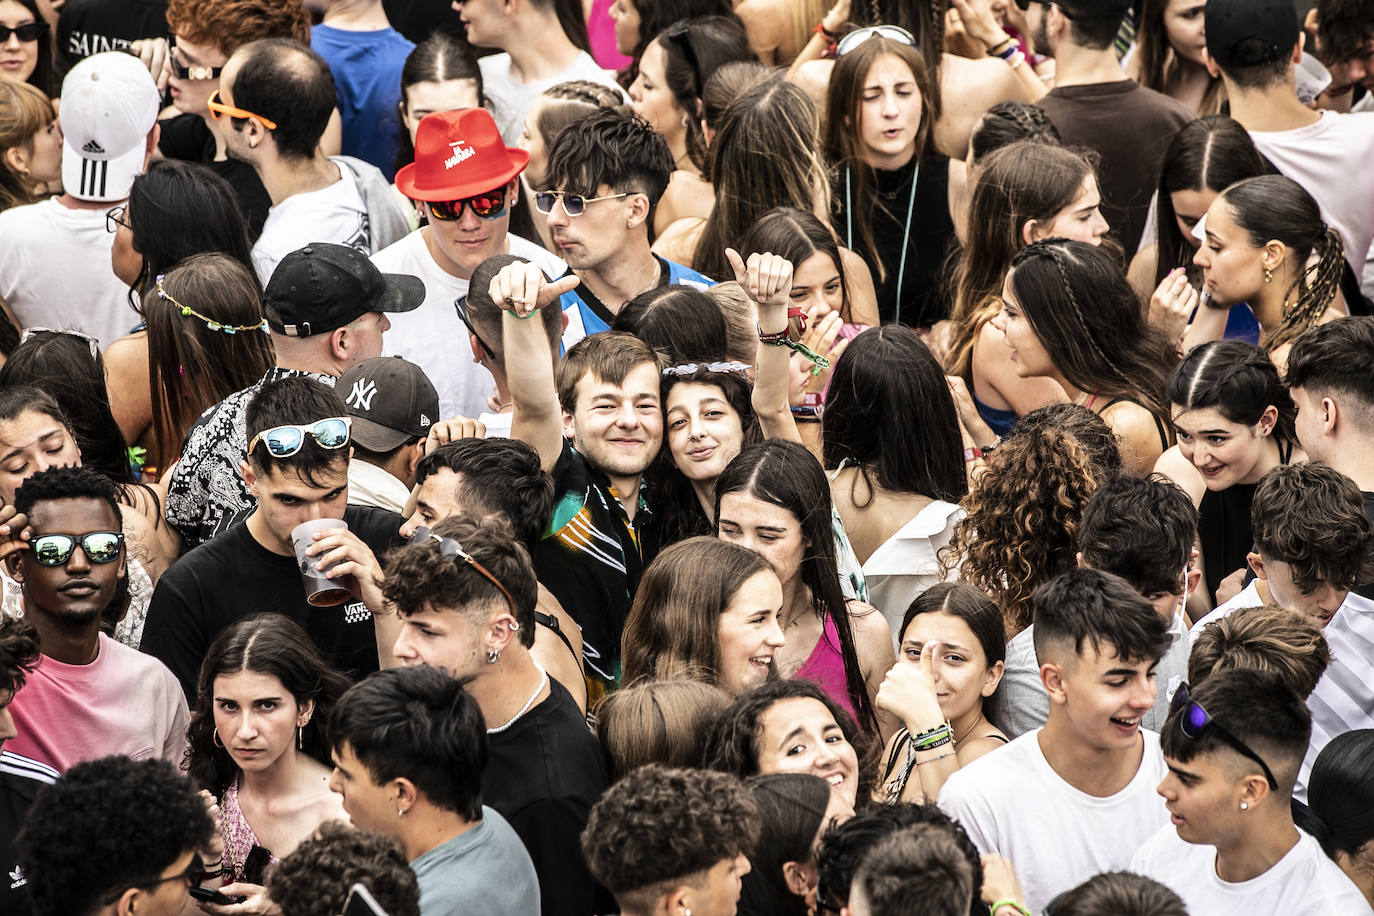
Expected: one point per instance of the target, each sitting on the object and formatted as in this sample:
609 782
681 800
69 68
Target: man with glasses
1093 100
464 179
327 309
55 254
89 696
115 836
605 176
465 592
1076 797
278 97
1233 748
297 471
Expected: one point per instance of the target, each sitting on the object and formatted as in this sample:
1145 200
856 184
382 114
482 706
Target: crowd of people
564 458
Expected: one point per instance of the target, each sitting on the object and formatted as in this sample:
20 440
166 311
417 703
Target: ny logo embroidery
361 395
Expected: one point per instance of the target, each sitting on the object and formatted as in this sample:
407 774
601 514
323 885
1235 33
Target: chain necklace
543 682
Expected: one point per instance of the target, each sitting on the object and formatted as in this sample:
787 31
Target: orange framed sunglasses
218 109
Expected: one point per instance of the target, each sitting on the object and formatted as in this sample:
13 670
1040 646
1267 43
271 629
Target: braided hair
1277 208
1238 380
1087 316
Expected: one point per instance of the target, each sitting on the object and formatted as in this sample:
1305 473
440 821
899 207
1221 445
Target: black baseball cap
390 400
1250 33
321 287
1085 9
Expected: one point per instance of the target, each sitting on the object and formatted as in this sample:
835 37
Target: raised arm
521 292
767 279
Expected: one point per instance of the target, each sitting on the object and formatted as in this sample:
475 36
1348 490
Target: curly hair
732 743
658 828
273 645
315 879
1312 517
420 573
18 655
67 482
1024 511
1264 638
228 24
845 844
106 826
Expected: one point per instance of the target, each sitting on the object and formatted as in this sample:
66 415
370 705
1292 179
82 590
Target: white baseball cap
109 103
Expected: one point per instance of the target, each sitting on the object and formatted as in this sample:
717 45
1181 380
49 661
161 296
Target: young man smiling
1076 797
89 696
465 593
596 429
297 471
1233 749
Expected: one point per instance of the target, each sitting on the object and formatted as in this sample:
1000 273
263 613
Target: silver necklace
543 681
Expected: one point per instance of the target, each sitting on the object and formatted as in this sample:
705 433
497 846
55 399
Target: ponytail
1312 298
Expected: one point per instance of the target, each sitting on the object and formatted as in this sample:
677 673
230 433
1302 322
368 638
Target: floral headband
210 323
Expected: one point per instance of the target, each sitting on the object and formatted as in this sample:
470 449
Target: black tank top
1223 528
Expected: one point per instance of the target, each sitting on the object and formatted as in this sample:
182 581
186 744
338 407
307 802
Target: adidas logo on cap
91 146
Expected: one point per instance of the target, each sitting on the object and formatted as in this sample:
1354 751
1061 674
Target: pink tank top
601 31
825 668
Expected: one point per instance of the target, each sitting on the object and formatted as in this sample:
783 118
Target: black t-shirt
20 780
418 19
232 576
591 558
543 775
926 239
1224 531
86 27
187 138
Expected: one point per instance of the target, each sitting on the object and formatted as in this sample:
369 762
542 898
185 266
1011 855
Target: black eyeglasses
56 549
448 547
460 305
193 876
190 71
488 206
573 204
285 441
1195 721
116 217
31 31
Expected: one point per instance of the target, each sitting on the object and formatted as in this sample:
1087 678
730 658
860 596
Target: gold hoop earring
214 737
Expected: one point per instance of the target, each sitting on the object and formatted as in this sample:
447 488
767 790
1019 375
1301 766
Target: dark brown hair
1265 638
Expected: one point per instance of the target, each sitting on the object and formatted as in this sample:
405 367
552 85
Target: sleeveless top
825 669
239 838
1001 422
1159 424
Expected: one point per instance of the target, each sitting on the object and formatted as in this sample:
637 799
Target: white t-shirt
55 271
335 213
1331 159
1013 803
433 336
497 424
1303 883
510 101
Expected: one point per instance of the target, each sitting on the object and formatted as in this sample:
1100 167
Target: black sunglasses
191 71
1195 720
56 549
31 31
487 205
460 305
193 876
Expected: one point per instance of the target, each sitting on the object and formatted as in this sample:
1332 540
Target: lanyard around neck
906 232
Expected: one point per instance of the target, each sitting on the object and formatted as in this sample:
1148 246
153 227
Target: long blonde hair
24 111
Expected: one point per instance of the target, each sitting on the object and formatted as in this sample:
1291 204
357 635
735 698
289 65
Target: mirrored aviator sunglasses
487 206
55 549
285 441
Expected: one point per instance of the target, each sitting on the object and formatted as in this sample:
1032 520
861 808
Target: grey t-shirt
483 870
1021 704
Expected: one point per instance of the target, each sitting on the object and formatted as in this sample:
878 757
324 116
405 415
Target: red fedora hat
459 154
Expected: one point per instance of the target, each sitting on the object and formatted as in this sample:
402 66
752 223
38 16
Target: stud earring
1245 806
684 124
1268 275
493 657
400 812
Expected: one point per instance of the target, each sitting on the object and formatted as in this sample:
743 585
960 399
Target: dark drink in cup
320 591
